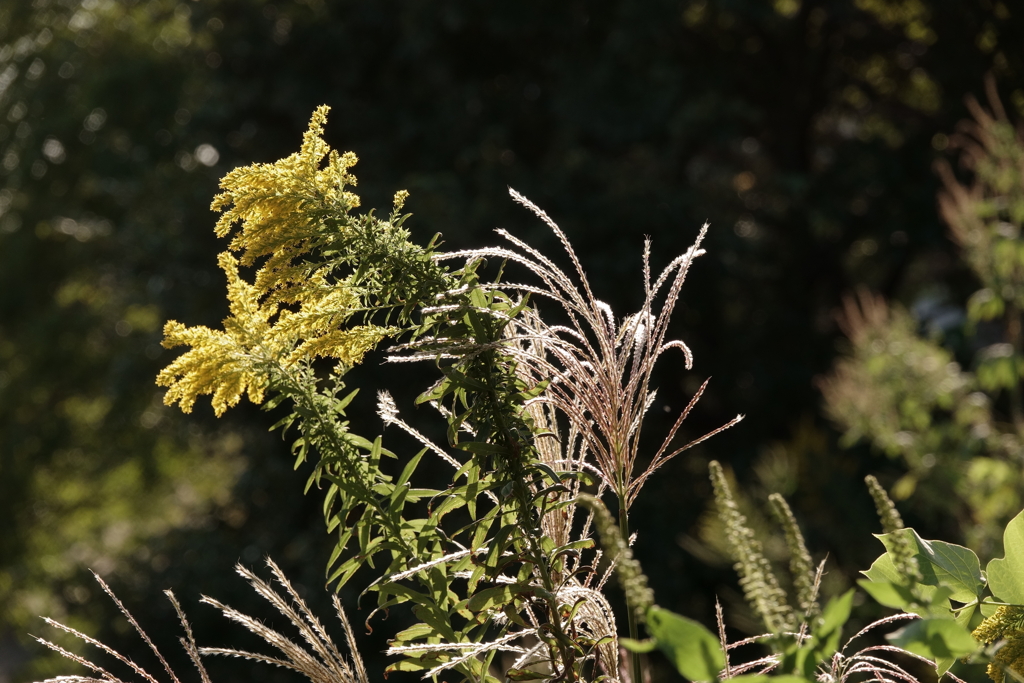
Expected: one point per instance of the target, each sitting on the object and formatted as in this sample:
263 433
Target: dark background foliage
804 132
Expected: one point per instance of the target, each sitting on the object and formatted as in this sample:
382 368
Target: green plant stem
1017 341
524 499
634 633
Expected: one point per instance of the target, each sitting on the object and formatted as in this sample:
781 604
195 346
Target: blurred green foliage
960 434
804 131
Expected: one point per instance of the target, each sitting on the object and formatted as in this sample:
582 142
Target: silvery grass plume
325 664
872 662
104 676
600 368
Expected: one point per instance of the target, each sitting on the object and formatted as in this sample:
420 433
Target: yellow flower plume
254 347
224 363
1007 622
281 207
285 210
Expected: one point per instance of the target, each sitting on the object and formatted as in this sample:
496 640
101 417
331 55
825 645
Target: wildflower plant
536 412
512 556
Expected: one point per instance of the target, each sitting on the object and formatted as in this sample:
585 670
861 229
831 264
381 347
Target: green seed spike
631 576
800 564
760 585
887 512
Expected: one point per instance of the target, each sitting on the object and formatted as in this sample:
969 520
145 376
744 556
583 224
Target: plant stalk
1017 341
634 658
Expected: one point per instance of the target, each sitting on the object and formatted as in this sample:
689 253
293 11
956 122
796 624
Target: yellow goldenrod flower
1007 623
285 210
224 363
243 357
282 207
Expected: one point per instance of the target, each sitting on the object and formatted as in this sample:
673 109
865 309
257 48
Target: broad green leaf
695 651
987 607
944 564
943 664
883 571
964 616
1006 574
834 616
888 593
935 638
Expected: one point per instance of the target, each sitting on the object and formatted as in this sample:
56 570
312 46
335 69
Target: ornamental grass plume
599 368
323 664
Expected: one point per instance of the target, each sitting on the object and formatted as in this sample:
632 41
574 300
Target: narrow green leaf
492 598
414 632
463 380
526 675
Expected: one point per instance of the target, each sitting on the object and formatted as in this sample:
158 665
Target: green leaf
934 639
943 664
965 615
765 678
526 675
695 651
1006 574
834 616
641 646
414 632
884 571
492 598
409 468
944 564
463 380
826 631
889 594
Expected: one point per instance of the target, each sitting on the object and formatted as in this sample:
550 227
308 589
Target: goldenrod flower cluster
1007 623
285 209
